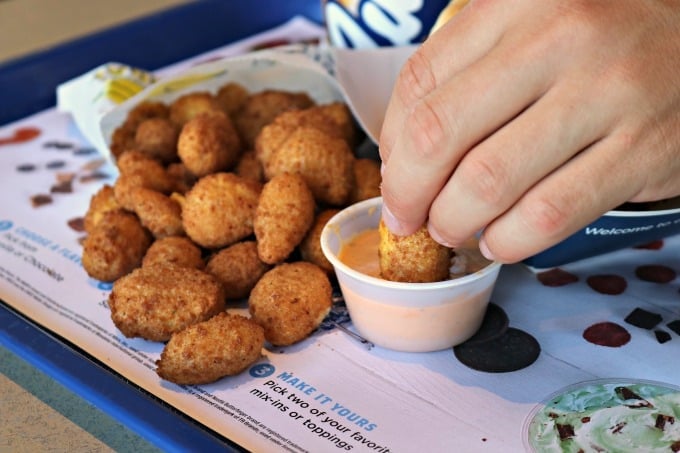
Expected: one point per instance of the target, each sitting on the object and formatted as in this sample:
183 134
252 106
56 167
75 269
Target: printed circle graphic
5 225
262 370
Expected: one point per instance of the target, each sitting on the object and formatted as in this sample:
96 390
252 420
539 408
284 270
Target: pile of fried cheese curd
220 198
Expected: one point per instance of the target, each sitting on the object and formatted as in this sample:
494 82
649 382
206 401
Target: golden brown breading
343 118
367 180
102 201
416 258
209 143
179 250
262 107
115 246
138 170
157 138
182 179
145 110
310 248
325 163
249 167
274 134
232 96
283 216
190 105
219 209
123 137
290 302
159 213
224 345
153 302
238 268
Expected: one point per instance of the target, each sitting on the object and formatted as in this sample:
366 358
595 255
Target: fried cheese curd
182 179
224 345
138 170
153 302
249 166
284 214
325 163
190 105
310 247
115 246
238 267
290 301
415 258
157 138
102 201
159 213
124 136
260 109
232 96
209 143
179 250
275 133
219 209
367 180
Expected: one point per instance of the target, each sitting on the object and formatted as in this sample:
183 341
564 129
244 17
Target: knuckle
547 217
486 179
426 130
416 79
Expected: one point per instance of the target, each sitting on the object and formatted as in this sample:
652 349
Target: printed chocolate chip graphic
40 200
96 176
643 318
62 187
556 277
607 284
674 326
58 145
84 151
494 325
77 224
654 245
55 164
662 336
607 334
25 168
655 273
512 351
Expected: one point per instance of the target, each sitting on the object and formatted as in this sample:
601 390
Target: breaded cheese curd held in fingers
290 302
219 209
416 258
153 302
224 345
115 246
283 216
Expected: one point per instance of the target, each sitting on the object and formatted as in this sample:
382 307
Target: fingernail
485 250
434 234
391 222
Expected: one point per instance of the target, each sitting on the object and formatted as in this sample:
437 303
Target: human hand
531 119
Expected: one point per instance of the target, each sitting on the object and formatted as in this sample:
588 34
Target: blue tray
28 85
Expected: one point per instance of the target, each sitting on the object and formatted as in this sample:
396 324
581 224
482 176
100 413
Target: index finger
471 33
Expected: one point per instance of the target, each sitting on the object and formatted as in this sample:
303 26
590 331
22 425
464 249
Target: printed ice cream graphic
611 417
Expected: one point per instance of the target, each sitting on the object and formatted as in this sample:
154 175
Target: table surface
37 413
